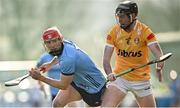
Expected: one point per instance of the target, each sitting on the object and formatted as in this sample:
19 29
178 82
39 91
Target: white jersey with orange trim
131 50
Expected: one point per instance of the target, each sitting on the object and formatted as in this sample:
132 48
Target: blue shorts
92 99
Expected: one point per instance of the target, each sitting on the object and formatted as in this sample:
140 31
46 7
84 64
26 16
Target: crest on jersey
136 40
139 31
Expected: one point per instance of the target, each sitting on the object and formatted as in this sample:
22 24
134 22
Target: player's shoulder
115 27
142 25
69 50
68 42
70 45
45 56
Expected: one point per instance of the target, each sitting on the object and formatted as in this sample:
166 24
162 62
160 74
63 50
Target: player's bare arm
61 84
157 52
106 62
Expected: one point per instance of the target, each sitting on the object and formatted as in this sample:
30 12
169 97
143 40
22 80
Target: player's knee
57 103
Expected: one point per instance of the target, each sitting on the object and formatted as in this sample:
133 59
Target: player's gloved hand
35 73
111 77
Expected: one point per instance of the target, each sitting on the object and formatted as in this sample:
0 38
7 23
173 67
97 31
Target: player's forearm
55 83
107 58
107 68
157 52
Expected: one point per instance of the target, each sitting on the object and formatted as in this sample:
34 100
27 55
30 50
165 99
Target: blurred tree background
85 22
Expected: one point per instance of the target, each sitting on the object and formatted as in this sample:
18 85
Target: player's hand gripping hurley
18 80
161 59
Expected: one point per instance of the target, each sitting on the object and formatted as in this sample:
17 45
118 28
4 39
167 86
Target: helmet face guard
123 15
53 41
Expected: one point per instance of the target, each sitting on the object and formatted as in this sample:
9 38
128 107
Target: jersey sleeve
67 66
39 61
150 37
111 36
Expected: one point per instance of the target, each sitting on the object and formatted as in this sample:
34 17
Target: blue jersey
52 73
86 75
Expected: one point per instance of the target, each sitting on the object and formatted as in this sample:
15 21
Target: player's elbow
63 86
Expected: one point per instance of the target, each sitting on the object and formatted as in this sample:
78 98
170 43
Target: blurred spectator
36 96
172 100
175 89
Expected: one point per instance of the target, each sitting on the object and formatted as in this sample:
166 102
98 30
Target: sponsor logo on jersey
125 53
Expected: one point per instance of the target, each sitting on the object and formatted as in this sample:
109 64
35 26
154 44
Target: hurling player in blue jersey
54 71
80 78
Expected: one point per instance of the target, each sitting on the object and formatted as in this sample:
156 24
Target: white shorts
138 88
